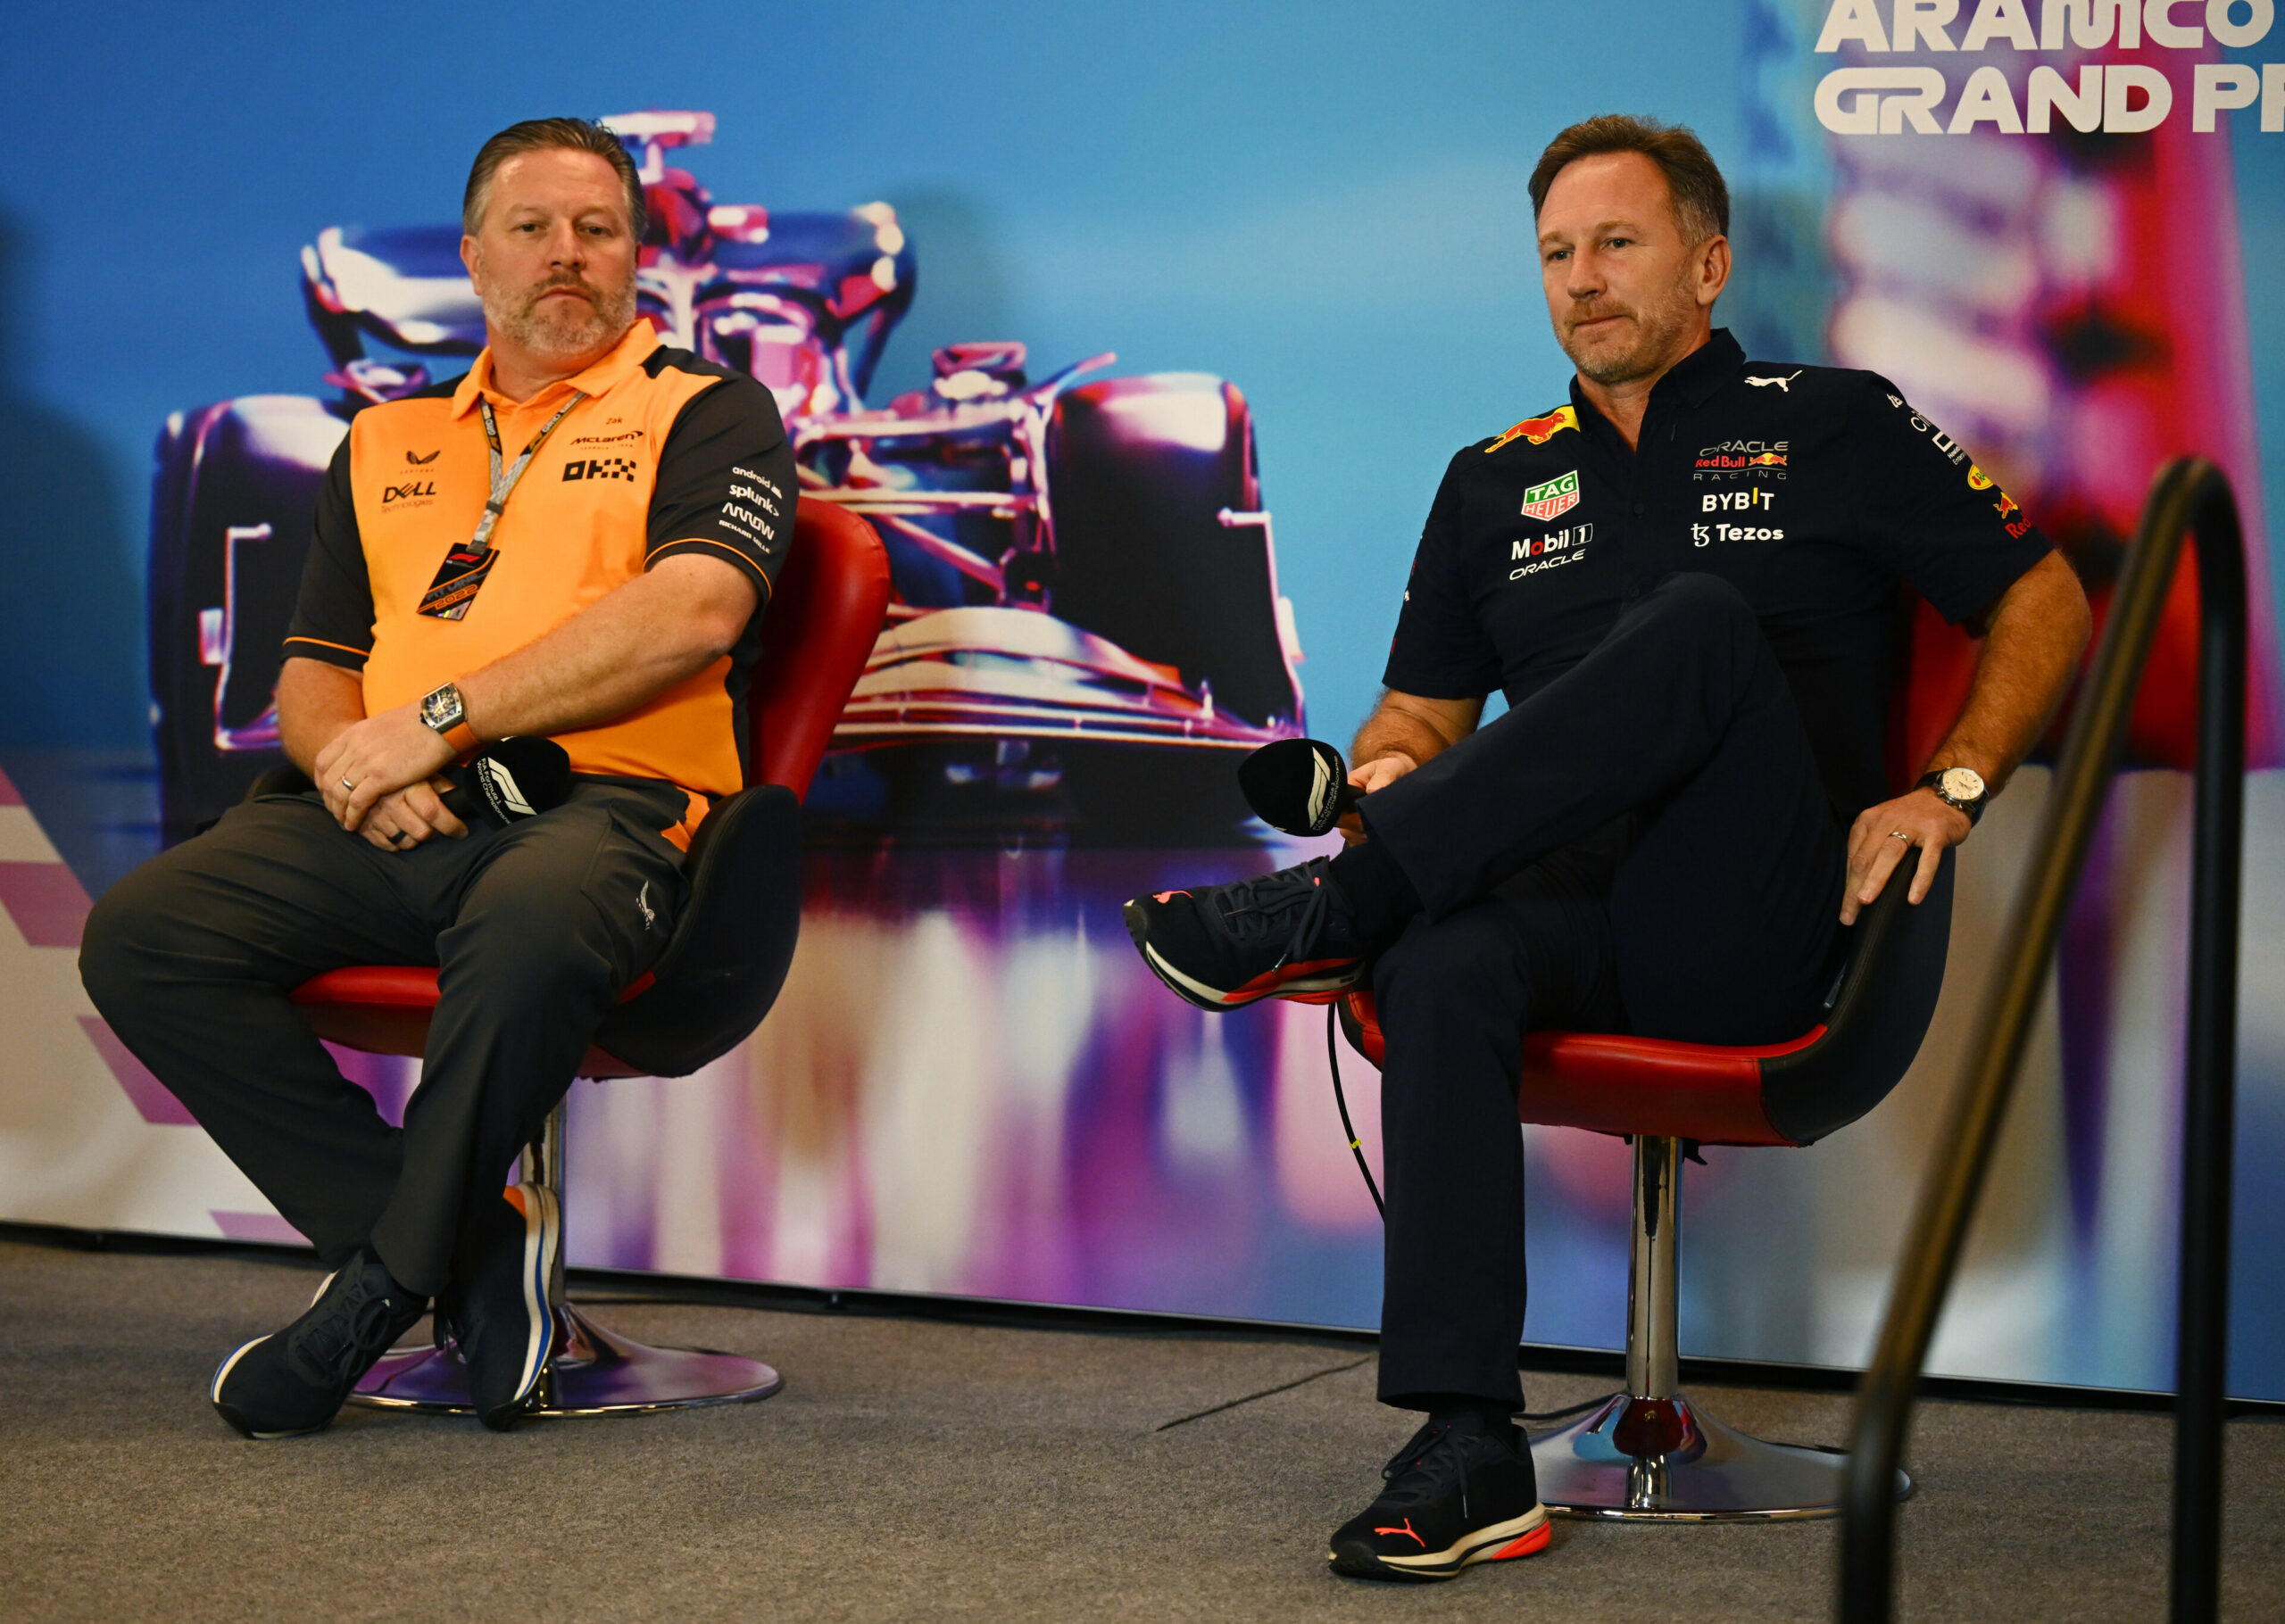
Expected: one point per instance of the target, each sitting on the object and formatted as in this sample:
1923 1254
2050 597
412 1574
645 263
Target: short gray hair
543 134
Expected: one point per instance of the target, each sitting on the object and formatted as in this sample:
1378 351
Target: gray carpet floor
917 1470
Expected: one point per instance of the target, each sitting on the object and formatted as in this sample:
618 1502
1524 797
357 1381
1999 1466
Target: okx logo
599 468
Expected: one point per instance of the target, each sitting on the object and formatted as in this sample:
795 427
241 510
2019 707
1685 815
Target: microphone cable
1341 1100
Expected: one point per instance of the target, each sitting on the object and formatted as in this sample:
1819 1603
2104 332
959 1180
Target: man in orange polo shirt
575 540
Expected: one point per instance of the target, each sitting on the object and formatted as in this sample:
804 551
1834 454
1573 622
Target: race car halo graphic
1085 611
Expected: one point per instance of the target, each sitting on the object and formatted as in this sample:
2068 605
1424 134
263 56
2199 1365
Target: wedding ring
349 786
1898 834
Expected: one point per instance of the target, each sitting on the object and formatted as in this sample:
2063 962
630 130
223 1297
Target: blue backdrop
1323 203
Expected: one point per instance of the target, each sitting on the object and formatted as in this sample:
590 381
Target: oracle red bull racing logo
1735 456
1557 496
1539 431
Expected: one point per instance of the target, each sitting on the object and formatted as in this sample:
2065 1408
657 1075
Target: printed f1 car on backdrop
925 231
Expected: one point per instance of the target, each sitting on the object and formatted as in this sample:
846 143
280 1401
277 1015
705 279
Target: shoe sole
1523 1536
541 1229
1138 927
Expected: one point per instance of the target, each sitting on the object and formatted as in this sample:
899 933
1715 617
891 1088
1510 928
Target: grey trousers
534 928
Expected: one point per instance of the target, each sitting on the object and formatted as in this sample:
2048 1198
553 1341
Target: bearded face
553 260
1628 289
565 315
1613 341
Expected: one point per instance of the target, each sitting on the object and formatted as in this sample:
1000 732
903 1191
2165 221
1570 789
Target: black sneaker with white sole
1459 1492
499 1305
295 1381
1225 946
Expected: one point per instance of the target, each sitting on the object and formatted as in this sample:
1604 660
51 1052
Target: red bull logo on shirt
1539 431
1557 496
1768 459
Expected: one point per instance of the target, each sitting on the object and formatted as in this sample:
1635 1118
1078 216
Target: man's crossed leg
1645 844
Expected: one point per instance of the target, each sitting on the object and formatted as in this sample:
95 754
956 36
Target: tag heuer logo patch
1543 502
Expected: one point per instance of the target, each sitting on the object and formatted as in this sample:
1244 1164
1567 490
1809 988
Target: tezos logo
1557 496
599 468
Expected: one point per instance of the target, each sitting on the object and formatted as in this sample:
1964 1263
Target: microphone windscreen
523 777
1298 786
514 778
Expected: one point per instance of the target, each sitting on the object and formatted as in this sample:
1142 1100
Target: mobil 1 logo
1531 555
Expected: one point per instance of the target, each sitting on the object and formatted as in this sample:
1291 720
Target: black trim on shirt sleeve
1932 515
727 486
333 614
1440 650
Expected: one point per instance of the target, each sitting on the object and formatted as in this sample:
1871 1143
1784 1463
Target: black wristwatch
446 713
1960 788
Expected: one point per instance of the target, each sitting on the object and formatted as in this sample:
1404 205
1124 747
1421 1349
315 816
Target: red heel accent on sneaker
1524 1544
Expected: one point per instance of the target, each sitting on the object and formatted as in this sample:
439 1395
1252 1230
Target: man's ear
1713 269
472 257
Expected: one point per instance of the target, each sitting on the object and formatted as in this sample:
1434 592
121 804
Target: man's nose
564 246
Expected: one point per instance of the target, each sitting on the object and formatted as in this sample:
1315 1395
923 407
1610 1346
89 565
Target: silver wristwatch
1960 788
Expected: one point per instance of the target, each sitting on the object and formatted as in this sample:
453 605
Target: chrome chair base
1659 1459
593 1372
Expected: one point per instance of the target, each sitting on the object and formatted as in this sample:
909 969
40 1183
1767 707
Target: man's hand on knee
376 757
1885 835
403 818
1366 777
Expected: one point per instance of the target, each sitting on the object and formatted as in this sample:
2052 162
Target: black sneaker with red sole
1223 946
1456 1494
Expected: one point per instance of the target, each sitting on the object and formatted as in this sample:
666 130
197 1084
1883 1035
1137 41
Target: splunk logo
1547 551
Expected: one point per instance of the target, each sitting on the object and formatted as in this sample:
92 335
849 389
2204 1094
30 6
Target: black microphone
512 779
1298 785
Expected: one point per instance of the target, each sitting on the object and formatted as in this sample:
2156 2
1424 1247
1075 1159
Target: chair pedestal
593 1371
1649 1455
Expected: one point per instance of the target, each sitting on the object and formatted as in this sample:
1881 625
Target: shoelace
341 1344
1418 1472
1256 908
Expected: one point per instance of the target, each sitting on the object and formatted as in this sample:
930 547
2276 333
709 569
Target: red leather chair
711 987
1648 1453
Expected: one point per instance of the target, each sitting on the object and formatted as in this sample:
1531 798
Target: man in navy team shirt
1685 581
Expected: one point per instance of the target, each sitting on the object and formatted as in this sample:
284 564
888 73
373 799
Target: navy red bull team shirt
1813 490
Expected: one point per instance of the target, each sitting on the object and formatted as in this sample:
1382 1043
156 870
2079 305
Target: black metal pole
1962 1151
2209 1073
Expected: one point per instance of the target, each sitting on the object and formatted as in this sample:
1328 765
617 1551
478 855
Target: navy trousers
1645 845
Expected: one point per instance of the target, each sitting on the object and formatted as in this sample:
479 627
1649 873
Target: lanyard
466 566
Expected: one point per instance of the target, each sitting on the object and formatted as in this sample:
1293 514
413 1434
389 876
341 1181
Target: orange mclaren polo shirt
667 454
